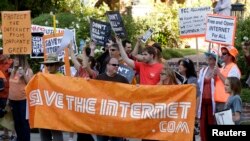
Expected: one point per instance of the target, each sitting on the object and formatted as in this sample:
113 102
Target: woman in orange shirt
20 76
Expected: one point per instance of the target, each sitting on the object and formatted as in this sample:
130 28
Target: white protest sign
67 37
48 31
224 117
147 35
192 21
220 29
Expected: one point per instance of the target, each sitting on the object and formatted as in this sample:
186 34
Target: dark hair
247 43
124 42
158 46
235 84
150 50
189 65
92 62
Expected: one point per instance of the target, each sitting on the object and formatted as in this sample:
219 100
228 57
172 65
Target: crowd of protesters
216 87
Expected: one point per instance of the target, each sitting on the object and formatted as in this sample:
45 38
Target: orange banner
113 109
16 32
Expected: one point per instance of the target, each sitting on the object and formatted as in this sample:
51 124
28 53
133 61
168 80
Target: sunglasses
224 53
112 50
49 65
114 65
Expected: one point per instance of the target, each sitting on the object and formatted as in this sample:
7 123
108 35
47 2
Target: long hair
170 74
23 62
189 65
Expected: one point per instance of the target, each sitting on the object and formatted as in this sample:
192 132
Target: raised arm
86 65
136 50
92 47
77 65
124 55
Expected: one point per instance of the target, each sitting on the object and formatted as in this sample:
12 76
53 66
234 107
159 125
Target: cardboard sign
16 32
116 23
100 32
68 36
127 72
147 35
152 112
51 43
224 117
192 21
220 29
37 46
50 30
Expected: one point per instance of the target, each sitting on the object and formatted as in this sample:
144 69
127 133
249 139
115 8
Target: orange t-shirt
4 66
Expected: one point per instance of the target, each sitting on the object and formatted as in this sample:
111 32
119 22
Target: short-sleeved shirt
149 74
116 78
235 104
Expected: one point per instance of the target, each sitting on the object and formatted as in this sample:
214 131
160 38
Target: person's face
114 52
163 75
52 68
225 55
211 60
147 57
181 67
128 48
16 62
227 86
112 66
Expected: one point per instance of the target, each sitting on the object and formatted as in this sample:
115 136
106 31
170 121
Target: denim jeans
21 123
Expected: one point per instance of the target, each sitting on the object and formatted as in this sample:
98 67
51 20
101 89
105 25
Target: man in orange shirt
5 66
230 69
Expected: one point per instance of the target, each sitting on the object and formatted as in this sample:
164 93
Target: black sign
116 23
127 72
37 46
100 32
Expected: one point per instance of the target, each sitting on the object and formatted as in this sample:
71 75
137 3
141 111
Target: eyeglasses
49 65
114 65
112 50
224 53
163 73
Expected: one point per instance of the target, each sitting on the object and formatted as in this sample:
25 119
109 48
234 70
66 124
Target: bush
245 95
242 31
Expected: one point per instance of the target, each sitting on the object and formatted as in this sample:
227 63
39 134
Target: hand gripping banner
162 112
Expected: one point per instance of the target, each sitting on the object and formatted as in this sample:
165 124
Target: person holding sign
52 65
230 69
206 82
111 75
223 7
234 102
19 78
149 70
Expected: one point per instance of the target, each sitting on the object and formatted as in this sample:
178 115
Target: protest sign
100 32
147 111
68 36
192 21
51 43
127 72
147 35
224 117
50 30
16 32
220 29
37 46
116 23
